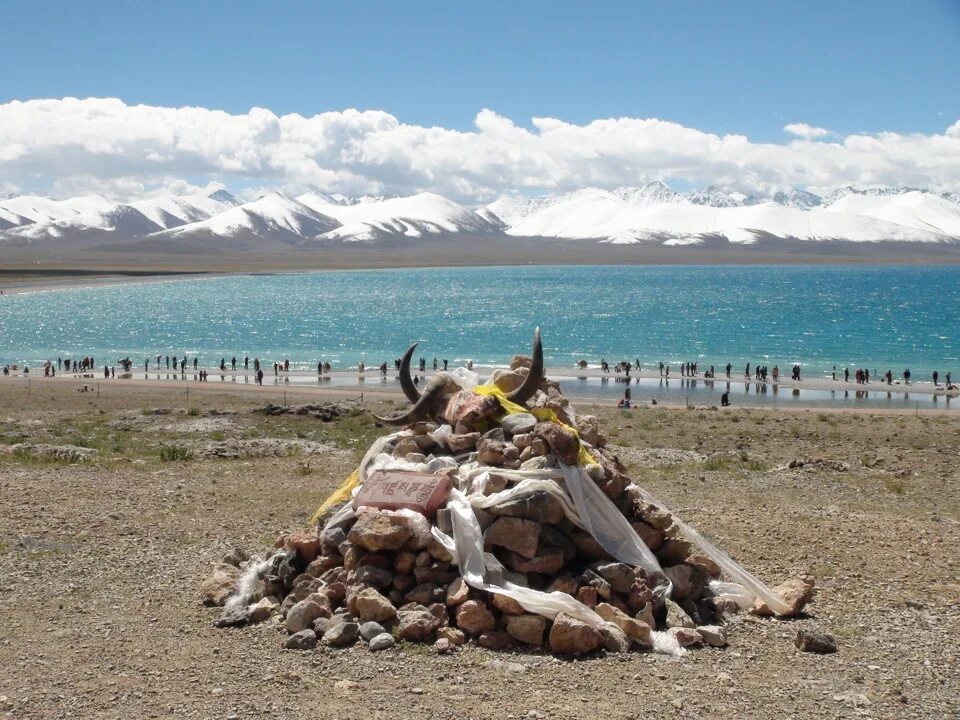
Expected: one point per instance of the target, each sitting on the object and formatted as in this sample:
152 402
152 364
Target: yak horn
419 411
406 382
532 382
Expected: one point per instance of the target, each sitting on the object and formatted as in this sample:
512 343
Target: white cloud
104 145
807 132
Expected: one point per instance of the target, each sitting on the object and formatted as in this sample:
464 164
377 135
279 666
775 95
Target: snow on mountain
913 209
50 219
271 216
413 216
800 199
714 197
654 193
610 218
170 211
26 209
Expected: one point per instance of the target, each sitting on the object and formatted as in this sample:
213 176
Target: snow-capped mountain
411 217
38 218
274 216
652 213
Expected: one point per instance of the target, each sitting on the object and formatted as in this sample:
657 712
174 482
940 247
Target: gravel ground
100 562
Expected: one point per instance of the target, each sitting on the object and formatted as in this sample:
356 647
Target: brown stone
651 537
528 629
422 594
588 596
815 642
371 605
563 443
474 618
796 593
564 583
465 407
570 636
516 534
302 614
490 452
677 617
509 380
458 592
452 635
636 630
547 561
686 636
459 444
306 543
687 581
219 586
416 625
377 531
403 562
495 640
539 506
506 604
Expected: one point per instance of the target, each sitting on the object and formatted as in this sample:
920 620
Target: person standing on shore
834 372
246 362
259 374
729 368
661 368
936 378
846 374
746 373
233 363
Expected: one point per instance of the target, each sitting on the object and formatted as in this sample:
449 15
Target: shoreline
371 386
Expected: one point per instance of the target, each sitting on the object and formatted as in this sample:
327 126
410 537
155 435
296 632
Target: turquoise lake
892 317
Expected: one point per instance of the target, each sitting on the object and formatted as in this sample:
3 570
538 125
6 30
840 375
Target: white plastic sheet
729 566
602 519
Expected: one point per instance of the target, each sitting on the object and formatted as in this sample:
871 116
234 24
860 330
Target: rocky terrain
102 554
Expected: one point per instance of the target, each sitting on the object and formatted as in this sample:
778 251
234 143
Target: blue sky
721 67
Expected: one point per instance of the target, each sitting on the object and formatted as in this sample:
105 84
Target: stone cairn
373 568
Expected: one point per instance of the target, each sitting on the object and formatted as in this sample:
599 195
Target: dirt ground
101 558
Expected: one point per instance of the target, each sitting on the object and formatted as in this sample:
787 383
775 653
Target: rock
687 581
645 614
495 640
404 446
508 380
452 634
232 617
548 560
302 614
796 593
588 596
528 629
490 452
376 531
565 583
332 538
539 506
521 361
306 543
302 640
685 636
474 618
416 625
620 576
458 592
373 576
569 636
815 642
713 635
506 605
220 585
676 617
674 551
589 428
518 424
262 609
615 640
651 537
369 630
321 625
637 630
422 594
459 444
236 557
371 605
443 646
341 634
562 442
404 561
383 641
516 534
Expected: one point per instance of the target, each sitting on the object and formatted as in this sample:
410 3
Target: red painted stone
396 489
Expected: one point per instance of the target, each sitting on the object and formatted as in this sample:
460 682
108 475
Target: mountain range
651 214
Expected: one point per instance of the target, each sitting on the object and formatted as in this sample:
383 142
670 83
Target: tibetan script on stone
396 489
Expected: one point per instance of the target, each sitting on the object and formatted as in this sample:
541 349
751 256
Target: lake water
818 316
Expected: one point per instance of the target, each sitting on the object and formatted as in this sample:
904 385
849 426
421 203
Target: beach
102 560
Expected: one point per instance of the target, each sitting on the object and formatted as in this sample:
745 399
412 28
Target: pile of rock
375 570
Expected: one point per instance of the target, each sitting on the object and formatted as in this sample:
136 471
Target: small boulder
341 634
519 423
369 630
685 636
383 641
475 618
676 617
302 640
516 534
815 642
416 625
528 629
796 593
569 636
615 640
376 531
452 634
302 614
637 630
713 635
220 585
371 605
562 442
